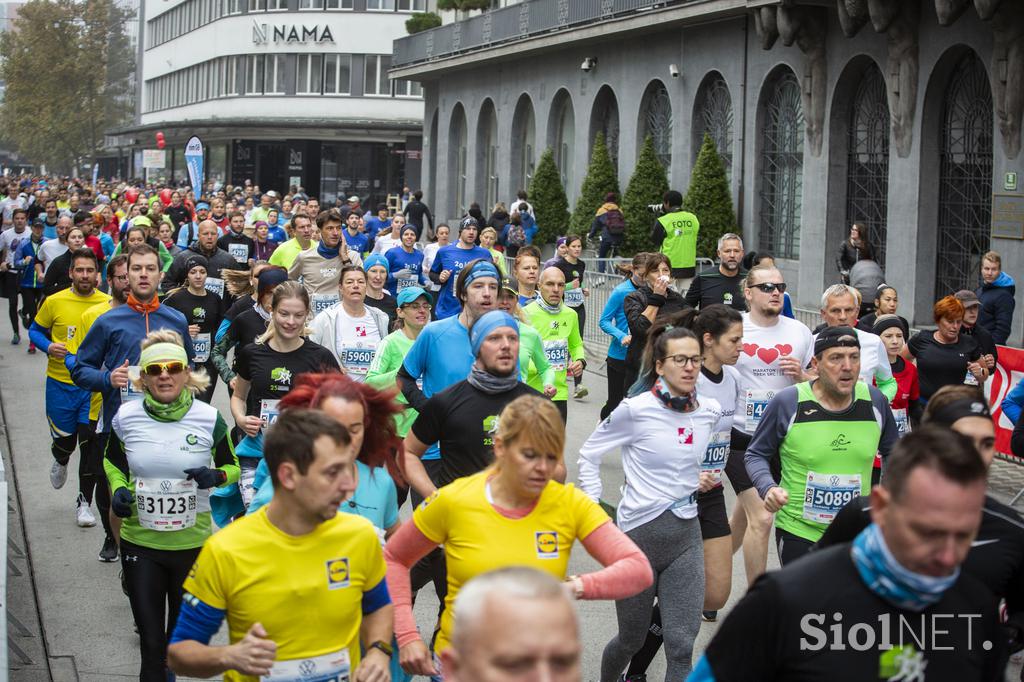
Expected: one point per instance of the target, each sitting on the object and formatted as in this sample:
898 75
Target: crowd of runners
375 357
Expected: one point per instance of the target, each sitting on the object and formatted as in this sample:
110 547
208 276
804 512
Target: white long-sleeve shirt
661 454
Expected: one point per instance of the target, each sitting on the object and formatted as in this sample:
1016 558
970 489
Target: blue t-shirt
374 225
359 242
399 259
276 234
453 258
441 356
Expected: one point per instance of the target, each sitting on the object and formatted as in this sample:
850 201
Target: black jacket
634 306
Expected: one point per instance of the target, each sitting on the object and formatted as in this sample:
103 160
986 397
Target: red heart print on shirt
767 355
750 349
784 348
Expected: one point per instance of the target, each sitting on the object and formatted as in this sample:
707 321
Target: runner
653 301
164 454
58 271
203 312
488 237
886 303
723 284
380 223
238 245
415 211
610 224
378 273
559 328
52 248
357 240
826 616
319 269
534 369
67 406
442 239
775 351
512 513
839 306
449 263
31 284
10 267
574 270
334 560
658 510
302 240
945 357
138 233
526 270
824 434
906 406
351 330
390 238
405 263
613 323
189 229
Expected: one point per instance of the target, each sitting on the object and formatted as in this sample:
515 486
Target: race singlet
573 297
902 421
129 392
201 345
716 454
268 412
826 494
332 667
321 302
240 252
757 402
165 504
357 360
557 353
215 286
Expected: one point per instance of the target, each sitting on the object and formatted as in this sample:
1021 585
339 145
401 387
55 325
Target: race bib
902 421
215 286
357 360
826 494
573 297
322 302
405 282
327 668
716 454
557 353
165 504
970 379
240 252
129 392
268 412
201 347
757 401
70 333
246 478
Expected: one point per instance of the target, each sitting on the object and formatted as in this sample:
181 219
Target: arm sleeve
39 335
51 281
219 355
429 422
634 307
412 392
224 452
413 367
115 461
626 569
608 315
541 364
165 258
613 432
1013 402
883 374
401 553
657 233
766 439
88 371
197 621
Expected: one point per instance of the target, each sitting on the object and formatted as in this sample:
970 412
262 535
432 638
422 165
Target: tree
463 5
68 67
647 186
709 199
547 195
601 178
421 21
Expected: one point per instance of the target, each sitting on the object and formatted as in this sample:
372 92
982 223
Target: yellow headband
163 352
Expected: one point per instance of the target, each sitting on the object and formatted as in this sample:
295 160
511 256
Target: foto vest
680 243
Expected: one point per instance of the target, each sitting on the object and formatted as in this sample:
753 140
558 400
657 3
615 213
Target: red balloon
160 141
131 194
165 196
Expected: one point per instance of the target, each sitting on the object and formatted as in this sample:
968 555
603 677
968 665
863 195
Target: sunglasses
155 369
769 287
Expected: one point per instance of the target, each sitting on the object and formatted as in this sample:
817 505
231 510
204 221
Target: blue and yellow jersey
62 315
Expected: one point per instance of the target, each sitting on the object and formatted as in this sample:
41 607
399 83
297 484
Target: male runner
448 263
723 284
319 268
839 306
302 240
10 269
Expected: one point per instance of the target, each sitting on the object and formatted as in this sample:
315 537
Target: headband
487 323
482 268
163 352
835 337
958 409
375 259
884 322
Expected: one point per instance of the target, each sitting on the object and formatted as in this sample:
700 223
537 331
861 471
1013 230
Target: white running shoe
84 514
58 475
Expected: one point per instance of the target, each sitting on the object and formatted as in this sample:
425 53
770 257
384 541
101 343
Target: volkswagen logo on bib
165 486
833 481
307 668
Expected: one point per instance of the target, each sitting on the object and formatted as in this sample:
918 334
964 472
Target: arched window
965 177
563 134
457 159
782 166
604 118
524 143
714 117
487 151
656 121
867 166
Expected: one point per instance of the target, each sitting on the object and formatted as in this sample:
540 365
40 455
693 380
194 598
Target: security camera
588 64
673 70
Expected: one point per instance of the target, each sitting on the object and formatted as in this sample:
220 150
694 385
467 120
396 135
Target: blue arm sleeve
225 324
376 598
611 308
196 621
88 372
69 362
39 336
702 672
1013 402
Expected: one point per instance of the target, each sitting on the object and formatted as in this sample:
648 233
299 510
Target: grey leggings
676 552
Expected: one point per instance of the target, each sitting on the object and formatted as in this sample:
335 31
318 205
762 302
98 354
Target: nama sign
262 33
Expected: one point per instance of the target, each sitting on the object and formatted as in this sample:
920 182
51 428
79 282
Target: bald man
206 246
513 624
559 329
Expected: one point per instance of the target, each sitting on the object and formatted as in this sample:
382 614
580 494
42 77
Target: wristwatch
383 646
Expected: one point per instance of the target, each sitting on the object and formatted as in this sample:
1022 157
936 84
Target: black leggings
12 310
30 300
102 497
90 458
154 579
641 660
616 371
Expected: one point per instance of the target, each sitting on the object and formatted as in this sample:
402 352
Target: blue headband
375 259
487 323
483 268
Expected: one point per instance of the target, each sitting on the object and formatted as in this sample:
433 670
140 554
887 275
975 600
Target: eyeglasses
416 306
769 287
684 360
155 369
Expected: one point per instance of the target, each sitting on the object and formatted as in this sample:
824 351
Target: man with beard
724 284
217 260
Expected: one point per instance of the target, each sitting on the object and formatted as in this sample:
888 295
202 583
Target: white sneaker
85 517
58 475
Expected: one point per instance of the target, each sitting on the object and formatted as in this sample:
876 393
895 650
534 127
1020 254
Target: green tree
463 5
547 195
647 186
601 178
709 199
68 68
421 21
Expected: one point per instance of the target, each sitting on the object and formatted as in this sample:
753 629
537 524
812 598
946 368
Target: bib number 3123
166 504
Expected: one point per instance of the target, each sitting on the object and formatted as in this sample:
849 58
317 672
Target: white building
282 92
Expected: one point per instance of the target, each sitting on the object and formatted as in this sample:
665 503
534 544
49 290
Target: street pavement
77 623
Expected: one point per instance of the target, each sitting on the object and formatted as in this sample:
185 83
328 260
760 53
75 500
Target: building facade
901 114
282 92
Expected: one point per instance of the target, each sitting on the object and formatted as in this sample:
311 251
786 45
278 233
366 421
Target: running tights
676 552
652 643
102 486
12 312
90 458
616 371
154 579
30 299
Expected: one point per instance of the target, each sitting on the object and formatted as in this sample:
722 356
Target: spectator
521 199
416 212
854 248
610 223
972 308
996 294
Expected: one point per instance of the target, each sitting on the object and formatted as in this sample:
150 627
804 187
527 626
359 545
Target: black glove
121 502
205 477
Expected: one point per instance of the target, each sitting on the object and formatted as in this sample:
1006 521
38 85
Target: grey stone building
902 114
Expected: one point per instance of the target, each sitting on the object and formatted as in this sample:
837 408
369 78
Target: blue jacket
1013 403
117 336
613 319
28 250
997 305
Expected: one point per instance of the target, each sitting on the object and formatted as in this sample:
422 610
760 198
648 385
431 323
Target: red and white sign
1008 371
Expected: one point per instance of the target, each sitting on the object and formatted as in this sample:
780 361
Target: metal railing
524 20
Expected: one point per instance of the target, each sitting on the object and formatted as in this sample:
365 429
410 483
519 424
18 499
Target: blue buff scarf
884 576
326 252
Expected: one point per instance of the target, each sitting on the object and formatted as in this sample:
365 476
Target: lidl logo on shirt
337 573
685 435
727 298
547 544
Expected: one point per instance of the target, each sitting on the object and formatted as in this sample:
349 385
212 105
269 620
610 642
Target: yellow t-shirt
307 591
88 318
478 539
62 315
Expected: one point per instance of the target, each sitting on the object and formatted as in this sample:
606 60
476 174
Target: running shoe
58 475
84 514
709 616
16 339
108 554
581 393
31 348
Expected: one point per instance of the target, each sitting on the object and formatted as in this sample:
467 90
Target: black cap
832 337
195 261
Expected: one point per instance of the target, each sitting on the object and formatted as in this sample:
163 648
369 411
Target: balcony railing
525 20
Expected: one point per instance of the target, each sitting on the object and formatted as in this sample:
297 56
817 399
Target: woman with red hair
945 357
